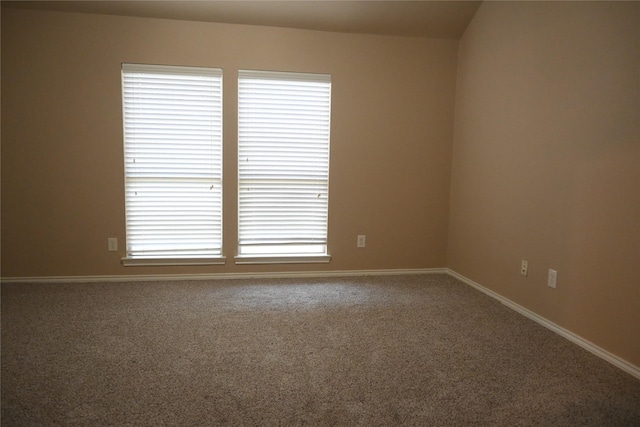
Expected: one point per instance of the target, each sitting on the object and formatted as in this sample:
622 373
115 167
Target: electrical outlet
362 241
112 244
524 268
553 278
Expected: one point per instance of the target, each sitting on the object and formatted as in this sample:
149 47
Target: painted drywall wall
546 163
62 161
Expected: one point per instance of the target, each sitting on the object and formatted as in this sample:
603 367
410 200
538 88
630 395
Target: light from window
283 163
173 161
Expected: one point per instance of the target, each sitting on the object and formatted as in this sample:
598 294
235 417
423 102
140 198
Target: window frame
281 256
197 256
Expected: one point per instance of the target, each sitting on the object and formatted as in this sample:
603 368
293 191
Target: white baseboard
576 339
218 276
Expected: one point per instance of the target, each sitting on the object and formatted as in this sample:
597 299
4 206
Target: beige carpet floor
389 350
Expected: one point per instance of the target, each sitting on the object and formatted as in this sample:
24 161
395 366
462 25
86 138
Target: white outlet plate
362 241
524 268
553 278
112 244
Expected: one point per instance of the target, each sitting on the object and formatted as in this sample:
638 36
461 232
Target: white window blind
173 161
283 155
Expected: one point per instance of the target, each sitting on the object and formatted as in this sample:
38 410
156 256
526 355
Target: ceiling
436 19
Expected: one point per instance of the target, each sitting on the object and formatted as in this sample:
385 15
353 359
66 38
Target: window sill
146 262
279 259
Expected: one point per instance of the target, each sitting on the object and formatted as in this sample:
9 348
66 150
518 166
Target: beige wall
62 165
546 163
546 152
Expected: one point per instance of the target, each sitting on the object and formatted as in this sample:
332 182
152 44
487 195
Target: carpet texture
386 350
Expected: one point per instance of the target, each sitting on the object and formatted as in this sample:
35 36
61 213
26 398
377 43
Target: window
283 166
173 164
